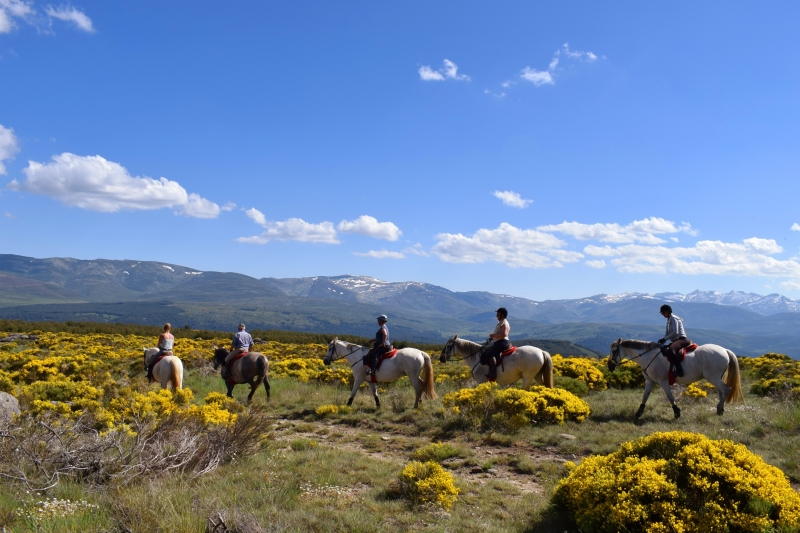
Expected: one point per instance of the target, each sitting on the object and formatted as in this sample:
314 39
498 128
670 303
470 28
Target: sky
543 150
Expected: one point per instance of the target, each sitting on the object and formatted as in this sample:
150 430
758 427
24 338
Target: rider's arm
672 329
160 340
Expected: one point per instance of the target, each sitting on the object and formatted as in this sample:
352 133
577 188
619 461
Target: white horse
409 361
708 361
527 362
170 368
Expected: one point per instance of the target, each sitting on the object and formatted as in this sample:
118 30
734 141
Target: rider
165 343
380 347
242 342
676 336
501 343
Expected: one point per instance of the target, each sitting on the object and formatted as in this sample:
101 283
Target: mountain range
150 292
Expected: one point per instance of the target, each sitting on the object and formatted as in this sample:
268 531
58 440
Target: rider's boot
678 369
492 369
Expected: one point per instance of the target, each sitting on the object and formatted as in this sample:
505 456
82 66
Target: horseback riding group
674 358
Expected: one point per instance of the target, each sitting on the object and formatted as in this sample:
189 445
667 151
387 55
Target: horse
527 362
252 368
409 361
170 368
708 361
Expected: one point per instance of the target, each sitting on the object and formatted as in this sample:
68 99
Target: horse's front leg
358 379
648 386
671 398
230 389
374 388
253 387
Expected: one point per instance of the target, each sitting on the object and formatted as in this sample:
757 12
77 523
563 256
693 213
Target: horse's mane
468 346
637 345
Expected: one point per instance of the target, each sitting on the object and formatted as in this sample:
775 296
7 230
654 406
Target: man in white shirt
676 336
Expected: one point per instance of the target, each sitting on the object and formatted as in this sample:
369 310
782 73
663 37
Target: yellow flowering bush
487 404
679 482
774 373
695 391
580 368
428 483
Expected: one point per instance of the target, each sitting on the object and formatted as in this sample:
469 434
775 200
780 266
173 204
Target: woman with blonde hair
165 343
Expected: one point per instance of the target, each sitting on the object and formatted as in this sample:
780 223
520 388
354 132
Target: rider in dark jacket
380 347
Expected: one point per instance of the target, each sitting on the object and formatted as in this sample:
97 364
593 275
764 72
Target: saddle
681 355
499 359
388 355
153 364
229 366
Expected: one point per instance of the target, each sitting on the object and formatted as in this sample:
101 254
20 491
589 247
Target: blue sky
543 150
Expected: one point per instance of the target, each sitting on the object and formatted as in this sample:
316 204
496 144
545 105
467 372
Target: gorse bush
582 369
679 482
428 483
775 374
488 405
437 451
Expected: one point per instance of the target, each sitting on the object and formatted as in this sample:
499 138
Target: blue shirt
379 337
242 339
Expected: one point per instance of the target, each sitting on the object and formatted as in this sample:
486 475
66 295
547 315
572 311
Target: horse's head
331 351
616 357
447 351
219 356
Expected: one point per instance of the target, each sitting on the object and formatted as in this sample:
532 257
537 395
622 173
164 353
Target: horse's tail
547 370
427 377
177 374
262 367
733 380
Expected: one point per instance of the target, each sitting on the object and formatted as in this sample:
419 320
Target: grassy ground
336 473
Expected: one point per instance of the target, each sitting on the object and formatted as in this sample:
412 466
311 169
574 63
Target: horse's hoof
349 402
677 411
639 413
720 411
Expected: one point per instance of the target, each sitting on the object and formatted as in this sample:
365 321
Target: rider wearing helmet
676 336
501 343
380 347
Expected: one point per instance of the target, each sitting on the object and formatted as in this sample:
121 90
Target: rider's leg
151 365
675 347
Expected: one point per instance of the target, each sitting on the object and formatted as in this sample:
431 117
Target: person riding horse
676 336
500 342
165 343
380 347
242 343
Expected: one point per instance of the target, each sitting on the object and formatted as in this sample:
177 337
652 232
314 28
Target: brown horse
252 368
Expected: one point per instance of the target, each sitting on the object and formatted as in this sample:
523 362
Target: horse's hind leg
374 388
253 387
416 382
266 386
722 391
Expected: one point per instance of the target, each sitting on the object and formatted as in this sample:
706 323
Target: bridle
616 354
449 347
332 347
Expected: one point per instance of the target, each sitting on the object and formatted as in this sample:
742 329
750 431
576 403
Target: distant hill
148 292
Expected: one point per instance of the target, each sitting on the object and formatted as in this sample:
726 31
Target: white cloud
512 199
643 231
8 145
381 254
68 13
795 227
198 207
545 77
792 285
293 229
416 249
751 257
449 71
506 244
257 216
369 226
9 215
229 206
96 184
13 9
597 263
537 77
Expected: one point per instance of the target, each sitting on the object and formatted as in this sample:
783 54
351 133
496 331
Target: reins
644 370
345 355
